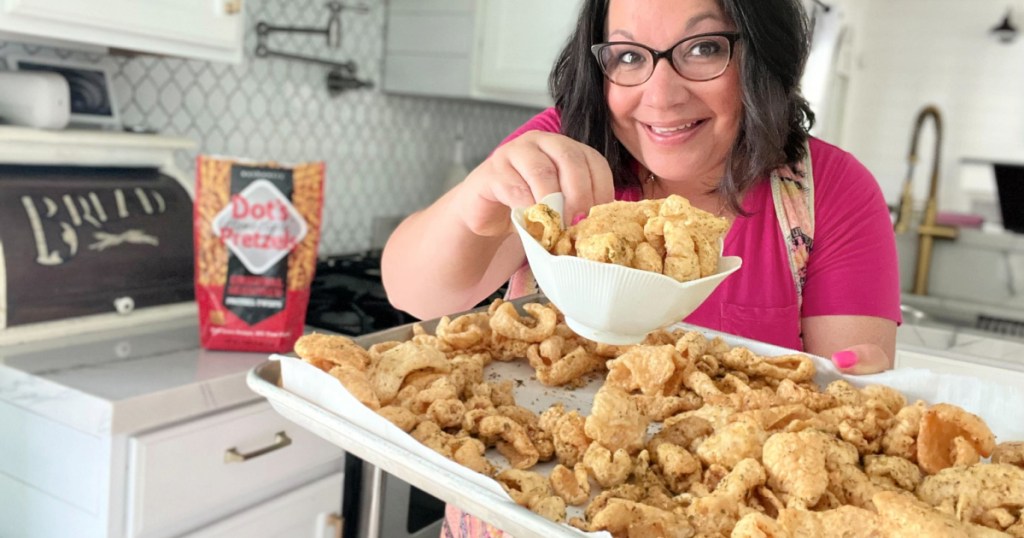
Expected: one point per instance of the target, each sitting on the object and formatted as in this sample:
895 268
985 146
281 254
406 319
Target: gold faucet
928 230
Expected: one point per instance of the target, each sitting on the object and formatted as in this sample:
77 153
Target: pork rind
567 431
544 225
616 421
686 436
667 236
972 492
733 443
357 383
623 517
572 485
388 373
324 351
532 490
951 436
796 466
1009 452
904 516
717 512
846 521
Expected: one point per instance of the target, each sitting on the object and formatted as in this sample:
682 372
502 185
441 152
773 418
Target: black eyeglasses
698 58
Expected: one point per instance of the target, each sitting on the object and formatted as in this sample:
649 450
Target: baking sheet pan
317 402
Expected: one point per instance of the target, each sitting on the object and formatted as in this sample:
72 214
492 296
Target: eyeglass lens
699 58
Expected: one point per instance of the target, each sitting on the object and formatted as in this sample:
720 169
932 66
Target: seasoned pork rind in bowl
627 269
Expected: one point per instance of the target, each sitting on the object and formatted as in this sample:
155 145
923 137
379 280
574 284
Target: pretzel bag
257 225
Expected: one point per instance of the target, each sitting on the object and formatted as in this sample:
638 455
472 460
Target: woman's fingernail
845 359
579 217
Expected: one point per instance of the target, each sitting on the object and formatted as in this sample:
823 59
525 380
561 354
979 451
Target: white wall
910 53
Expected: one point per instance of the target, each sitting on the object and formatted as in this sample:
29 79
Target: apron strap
793 196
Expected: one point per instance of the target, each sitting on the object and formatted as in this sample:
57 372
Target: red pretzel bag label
256 228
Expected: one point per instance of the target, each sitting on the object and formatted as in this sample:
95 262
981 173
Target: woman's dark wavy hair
771 55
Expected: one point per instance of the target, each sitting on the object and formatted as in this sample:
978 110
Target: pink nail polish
845 359
579 217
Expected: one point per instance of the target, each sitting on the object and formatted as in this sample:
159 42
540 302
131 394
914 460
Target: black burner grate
347 296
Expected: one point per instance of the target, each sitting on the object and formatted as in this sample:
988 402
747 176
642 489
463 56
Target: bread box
91 223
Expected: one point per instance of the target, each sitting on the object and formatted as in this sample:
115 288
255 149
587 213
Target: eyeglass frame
656 55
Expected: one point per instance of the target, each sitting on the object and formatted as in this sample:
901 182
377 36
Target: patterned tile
385 155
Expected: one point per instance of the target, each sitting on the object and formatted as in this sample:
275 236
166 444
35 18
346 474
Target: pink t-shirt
852 268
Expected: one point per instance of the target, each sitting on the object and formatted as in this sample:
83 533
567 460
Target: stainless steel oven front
393 508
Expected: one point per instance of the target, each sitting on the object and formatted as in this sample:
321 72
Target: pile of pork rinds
667 236
687 436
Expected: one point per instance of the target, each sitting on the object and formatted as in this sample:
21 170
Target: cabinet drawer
180 477
310 511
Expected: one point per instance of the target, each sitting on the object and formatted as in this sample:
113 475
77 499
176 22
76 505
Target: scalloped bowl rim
650 300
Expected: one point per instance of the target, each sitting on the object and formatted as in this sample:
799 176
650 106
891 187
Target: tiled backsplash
385 155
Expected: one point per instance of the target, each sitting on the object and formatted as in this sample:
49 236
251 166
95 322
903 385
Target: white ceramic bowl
611 303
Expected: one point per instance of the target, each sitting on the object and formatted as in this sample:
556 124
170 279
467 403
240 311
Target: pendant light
1005 32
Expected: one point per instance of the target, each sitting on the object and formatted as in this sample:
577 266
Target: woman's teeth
670 130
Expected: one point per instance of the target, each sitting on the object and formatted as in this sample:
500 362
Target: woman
714 141
698 98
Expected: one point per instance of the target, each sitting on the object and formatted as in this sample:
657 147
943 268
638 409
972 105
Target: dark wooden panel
75 239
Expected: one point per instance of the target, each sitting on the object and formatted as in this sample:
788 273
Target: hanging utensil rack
342 75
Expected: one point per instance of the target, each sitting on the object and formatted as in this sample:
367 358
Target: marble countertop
963 312
964 344
126 380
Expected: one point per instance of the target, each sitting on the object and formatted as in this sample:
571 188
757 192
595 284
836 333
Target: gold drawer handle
336 522
232 455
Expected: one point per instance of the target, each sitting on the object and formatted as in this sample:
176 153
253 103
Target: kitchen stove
347 296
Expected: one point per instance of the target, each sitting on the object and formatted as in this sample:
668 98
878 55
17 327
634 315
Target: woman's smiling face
681 130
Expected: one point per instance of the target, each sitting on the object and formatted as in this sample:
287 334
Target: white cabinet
492 50
201 29
57 481
188 473
310 511
136 432
518 42
428 47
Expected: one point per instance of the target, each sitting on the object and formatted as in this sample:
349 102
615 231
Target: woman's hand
843 339
862 359
462 247
526 169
